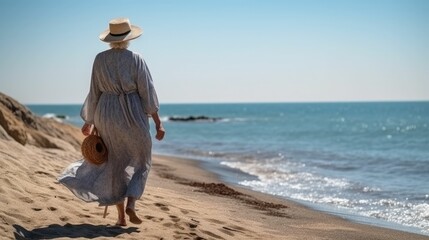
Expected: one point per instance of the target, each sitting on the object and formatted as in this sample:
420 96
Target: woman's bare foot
121 222
133 216
121 215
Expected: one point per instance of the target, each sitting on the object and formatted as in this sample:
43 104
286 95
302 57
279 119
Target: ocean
367 162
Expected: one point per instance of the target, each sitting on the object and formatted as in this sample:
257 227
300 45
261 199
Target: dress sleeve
88 109
145 87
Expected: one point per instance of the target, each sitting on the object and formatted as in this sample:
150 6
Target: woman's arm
88 108
86 129
160 131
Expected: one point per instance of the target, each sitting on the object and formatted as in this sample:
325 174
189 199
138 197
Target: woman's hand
86 129
160 132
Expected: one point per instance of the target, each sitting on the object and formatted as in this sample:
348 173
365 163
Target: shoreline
319 223
223 174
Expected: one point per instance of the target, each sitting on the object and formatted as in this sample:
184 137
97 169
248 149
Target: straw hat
120 30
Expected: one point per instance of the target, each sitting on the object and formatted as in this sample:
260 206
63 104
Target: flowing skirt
124 127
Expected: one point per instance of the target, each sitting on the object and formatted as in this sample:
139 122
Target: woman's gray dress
121 97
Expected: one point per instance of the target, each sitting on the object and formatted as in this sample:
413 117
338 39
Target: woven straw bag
93 148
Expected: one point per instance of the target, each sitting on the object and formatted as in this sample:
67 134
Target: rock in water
194 118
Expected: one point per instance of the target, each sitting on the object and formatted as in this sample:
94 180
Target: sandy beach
181 200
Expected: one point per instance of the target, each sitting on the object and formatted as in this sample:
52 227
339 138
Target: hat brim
134 33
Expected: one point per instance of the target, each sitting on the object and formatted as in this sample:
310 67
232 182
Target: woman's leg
131 212
121 215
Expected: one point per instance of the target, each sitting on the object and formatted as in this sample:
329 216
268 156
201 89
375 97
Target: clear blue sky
224 50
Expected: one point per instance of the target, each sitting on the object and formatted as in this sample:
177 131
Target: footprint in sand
163 207
176 223
212 235
193 225
187 235
187 211
215 221
168 225
26 199
52 208
44 173
64 219
174 218
36 209
154 219
229 230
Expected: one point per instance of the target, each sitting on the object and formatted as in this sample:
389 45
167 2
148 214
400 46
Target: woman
120 99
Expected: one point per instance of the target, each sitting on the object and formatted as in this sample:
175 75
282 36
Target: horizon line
263 102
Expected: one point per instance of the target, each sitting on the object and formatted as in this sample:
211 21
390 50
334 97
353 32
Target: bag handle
94 131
